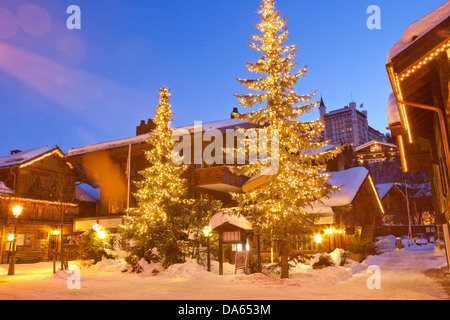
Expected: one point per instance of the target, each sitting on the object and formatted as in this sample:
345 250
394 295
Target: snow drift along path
403 275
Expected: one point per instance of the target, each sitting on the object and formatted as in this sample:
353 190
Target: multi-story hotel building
348 125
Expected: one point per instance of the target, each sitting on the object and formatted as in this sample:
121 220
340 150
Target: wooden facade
420 79
44 184
376 151
107 163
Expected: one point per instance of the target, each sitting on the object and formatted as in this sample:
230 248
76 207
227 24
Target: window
115 206
305 242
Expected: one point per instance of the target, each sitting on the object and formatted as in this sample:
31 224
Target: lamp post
10 239
318 239
258 248
206 233
329 232
17 210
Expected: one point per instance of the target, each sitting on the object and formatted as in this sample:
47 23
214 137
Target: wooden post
54 262
259 252
220 254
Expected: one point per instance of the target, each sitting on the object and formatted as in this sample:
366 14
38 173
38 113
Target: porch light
318 238
11 237
101 234
17 210
207 231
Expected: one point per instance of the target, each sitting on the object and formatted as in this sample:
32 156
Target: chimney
15 151
235 110
144 128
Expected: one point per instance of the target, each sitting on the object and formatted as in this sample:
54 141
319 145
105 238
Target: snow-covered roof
144 137
392 111
351 181
87 194
365 145
419 28
110 145
383 188
4 189
220 218
23 156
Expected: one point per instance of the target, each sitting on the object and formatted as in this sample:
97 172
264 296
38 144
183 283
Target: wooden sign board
231 236
241 261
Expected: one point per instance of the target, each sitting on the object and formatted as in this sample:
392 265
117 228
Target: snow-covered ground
405 274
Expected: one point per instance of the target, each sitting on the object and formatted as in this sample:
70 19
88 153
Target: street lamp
101 234
17 210
329 232
318 239
207 233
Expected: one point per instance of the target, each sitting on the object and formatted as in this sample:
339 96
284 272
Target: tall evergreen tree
280 207
160 218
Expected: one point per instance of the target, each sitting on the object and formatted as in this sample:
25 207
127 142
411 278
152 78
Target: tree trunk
284 253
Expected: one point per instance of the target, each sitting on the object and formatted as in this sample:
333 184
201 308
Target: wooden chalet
354 211
107 164
43 182
419 71
375 151
393 198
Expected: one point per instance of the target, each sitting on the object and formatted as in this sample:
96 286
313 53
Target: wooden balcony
219 179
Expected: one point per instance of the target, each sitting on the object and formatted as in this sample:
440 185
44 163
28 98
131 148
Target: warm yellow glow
207 231
11 237
318 238
376 194
101 234
329 231
45 156
56 232
430 56
402 153
38 201
17 210
401 106
405 74
97 227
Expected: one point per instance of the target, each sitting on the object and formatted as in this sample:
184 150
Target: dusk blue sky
74 88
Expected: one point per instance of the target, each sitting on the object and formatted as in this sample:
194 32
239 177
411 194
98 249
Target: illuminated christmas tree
161 216
280 207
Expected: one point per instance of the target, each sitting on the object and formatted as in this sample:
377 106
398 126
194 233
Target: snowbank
387 242
403 277
110 265
184 270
